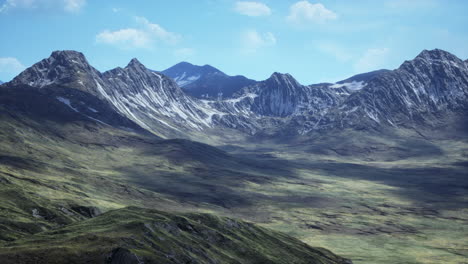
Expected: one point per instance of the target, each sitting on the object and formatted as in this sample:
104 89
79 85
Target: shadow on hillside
211 175
436 187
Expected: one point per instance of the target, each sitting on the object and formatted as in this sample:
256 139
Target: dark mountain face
206 81
63 105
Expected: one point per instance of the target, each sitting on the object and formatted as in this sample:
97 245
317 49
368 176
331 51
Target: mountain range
87 157
416 94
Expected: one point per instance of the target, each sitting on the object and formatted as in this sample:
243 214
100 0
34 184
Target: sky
315 41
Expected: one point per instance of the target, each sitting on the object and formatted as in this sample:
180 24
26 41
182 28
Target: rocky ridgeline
420 91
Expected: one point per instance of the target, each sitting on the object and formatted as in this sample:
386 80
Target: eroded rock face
66 67
420 91
433 83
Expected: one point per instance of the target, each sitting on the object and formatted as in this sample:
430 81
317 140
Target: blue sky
315 41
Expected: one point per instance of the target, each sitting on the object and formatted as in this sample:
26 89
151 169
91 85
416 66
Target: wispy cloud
116 9
253 40
304 13
372 59
125 38
145 36
11 66
69 6
253 9
158 32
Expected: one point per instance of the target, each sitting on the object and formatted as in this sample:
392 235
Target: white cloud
252 40
125 38
303 13
252 8
70 6
143 37
74 5
11 66
373 59
158 32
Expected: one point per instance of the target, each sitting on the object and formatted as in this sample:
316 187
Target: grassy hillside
136 235
59 168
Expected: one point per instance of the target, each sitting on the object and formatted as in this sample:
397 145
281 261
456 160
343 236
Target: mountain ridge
158 104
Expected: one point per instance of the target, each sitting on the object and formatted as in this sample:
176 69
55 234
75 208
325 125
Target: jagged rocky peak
69 56
64 67
436 54
136 78
433 60
135 63
282 79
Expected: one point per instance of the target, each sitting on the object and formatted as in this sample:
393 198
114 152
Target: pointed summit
434 60
436 54
282 79
65 67
135 63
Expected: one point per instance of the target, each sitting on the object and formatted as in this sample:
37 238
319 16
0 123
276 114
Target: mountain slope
206 81
434 83
135 235
150 99
420 92
357 82
268 105
60 170
429 91
66 68
153 100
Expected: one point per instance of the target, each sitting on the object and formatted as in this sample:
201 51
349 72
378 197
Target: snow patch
353 86
238 99
184 80
67 102
93 110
